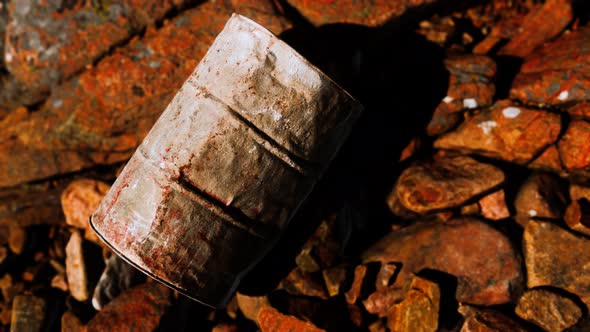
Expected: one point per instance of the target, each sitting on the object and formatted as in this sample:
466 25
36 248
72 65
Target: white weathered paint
470 103
448 99
96 304
276 115
487 126
511 112
564 95
532 213
7 57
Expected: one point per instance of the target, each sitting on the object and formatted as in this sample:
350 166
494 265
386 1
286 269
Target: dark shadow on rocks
507 68
581 11
183 314
399 77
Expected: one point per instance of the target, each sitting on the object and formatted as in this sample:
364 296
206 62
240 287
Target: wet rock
538 27
493 206
556 257
504 131
250 306
542 195
137 309
355 289
101 116
44 40
577 216
79 201
548 310
556 74
28 313
348 11
443 183
298 282
485 320
470 86
455 248
271 320
76 268
573 146
418 311
117 277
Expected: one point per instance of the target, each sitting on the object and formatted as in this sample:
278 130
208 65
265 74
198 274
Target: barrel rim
182 291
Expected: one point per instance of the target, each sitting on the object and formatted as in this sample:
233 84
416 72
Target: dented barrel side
226 166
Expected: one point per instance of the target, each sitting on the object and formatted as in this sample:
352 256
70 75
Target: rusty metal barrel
217 179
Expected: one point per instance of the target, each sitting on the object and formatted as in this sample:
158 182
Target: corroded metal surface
227 164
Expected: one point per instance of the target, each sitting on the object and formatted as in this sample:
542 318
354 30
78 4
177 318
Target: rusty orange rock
271 320
418 311
443 183
298 282
369 13
542 195
28 313
250 306
538 27
577 216
455 248
556 74
355 289
493 206
101 116
552 256
486 320
44 40
34 204
503 29
504 131
578 191
71 323
574 148
137 309
79 201
549 160
380 301
470 86
548 310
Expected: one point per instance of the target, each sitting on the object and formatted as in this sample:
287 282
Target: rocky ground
461 202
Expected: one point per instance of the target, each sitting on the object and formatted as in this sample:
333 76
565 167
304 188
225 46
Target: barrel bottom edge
217 305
